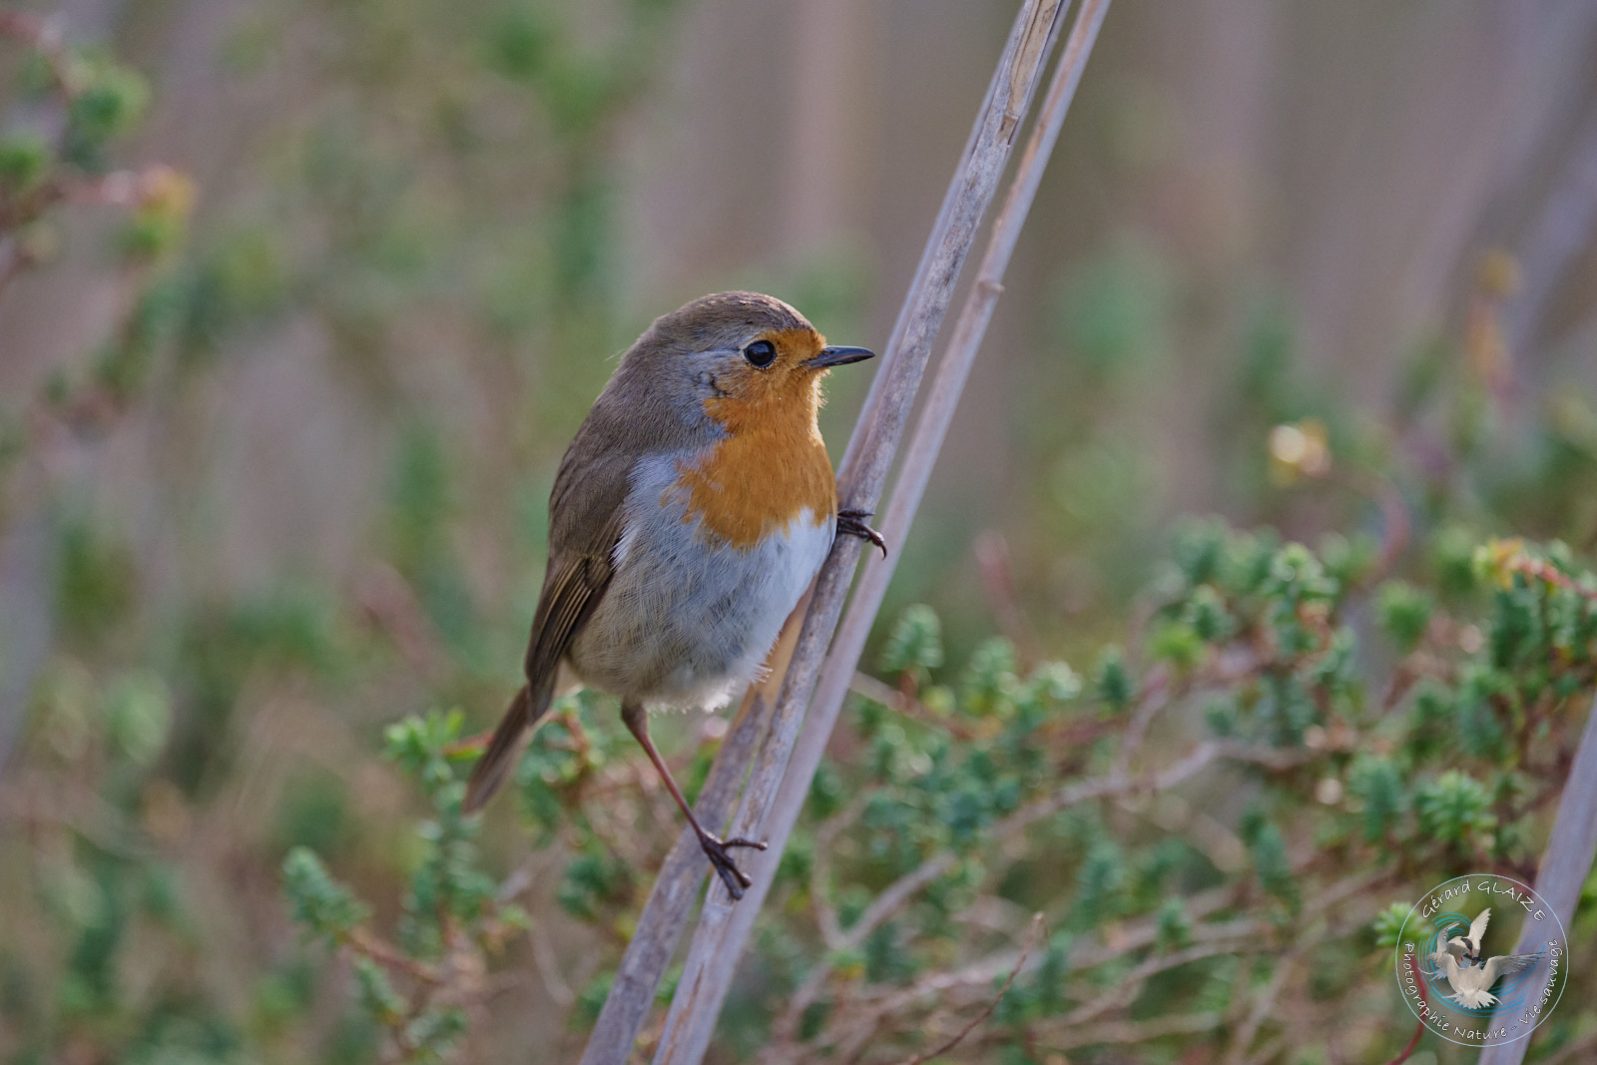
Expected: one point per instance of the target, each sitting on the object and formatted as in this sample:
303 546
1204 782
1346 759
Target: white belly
687 619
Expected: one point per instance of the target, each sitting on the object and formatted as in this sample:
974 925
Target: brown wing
585 519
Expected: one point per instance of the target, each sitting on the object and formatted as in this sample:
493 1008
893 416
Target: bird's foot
715 848
852 523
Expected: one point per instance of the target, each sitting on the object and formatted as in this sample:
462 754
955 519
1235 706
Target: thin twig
548 964
1033 936
1125 1033
900 702
1263 1004
1125 991
368 944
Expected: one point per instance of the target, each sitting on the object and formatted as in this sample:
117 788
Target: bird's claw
852 523
715 848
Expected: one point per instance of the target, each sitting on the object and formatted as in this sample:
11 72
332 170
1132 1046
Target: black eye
761 353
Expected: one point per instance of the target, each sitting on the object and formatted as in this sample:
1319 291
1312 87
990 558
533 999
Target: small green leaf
24 157
1112 681
323 905
1453 807
915 645
989 685
1404 612
1388 925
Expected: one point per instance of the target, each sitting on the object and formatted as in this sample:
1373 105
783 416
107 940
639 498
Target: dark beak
838 356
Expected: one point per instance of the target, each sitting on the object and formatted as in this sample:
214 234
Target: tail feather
1474 999
489 774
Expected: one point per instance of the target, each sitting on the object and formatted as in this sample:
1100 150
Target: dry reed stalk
787 760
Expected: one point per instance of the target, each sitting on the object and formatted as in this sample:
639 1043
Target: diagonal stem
1566 863
723 930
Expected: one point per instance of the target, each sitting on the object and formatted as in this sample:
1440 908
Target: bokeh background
280 411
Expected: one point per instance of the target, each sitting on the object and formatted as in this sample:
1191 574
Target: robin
690 513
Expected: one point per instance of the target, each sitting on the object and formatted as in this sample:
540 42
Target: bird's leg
852 523
715 848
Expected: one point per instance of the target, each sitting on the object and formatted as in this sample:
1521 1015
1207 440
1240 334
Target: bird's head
740 358
1464 948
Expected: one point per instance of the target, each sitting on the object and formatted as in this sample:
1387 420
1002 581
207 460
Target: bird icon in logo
1472 979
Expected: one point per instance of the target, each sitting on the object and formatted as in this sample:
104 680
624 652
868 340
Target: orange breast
771 467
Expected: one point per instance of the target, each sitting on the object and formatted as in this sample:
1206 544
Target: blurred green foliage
1012 790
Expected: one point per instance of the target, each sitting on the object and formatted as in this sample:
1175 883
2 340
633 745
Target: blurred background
300 303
